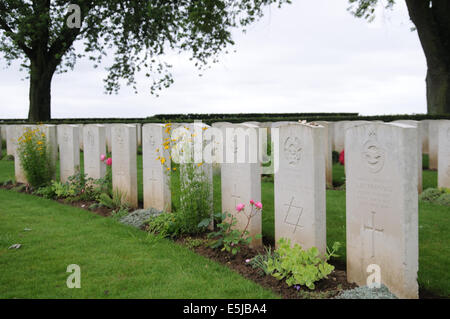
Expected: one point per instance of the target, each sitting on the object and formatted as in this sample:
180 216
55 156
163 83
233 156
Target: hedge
238 118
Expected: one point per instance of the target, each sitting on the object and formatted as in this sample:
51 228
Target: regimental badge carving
119 136
373 155
151 141
90 138
235 144
65 137
293 150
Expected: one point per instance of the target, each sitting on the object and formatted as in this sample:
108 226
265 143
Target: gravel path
365 292
139 217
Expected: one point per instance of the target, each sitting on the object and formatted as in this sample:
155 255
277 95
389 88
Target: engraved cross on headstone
152 179
288 219
235 195
372 228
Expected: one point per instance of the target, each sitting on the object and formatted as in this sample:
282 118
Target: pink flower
109 161
240 207
252 202
102 157
247 261
258 205
342 158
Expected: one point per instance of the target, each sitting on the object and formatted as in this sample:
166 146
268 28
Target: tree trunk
40 91
438 91
433 27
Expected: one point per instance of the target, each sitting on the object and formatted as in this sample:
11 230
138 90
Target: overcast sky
311 56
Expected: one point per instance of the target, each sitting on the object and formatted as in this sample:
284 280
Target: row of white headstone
381 162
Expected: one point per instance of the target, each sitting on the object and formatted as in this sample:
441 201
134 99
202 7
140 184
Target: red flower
342 158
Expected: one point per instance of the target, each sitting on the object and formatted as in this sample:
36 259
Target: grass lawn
434 240
116 261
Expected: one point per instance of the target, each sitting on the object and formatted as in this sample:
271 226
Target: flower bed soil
330 287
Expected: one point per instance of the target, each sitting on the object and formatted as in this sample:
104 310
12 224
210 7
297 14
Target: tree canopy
138 32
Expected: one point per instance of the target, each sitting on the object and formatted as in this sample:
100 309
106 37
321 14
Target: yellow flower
174 168
199 164
163 160
166 147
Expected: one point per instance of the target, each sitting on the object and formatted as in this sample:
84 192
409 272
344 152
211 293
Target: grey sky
311 56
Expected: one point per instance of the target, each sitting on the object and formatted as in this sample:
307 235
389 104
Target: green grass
116 261
434 226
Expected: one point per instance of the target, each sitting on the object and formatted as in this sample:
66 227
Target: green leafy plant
195 189
119 213
439 196
63 190
298 266
46 192
195 198
192 243
163 224
35 157
227 236
114 202
260 261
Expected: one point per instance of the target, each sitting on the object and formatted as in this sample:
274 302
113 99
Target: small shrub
431 194
444 199
227 236
34 154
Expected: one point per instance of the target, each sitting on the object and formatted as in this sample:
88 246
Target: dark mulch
330 287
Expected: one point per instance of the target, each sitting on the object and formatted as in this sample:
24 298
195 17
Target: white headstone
139 133
300 210
418 125
15 133
124 165
3 132
94 143
339 136
156 175
108 137
69 151
328 151
444 155
382 206
241 176
80 137
433 143
425 126
50 132
11 139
